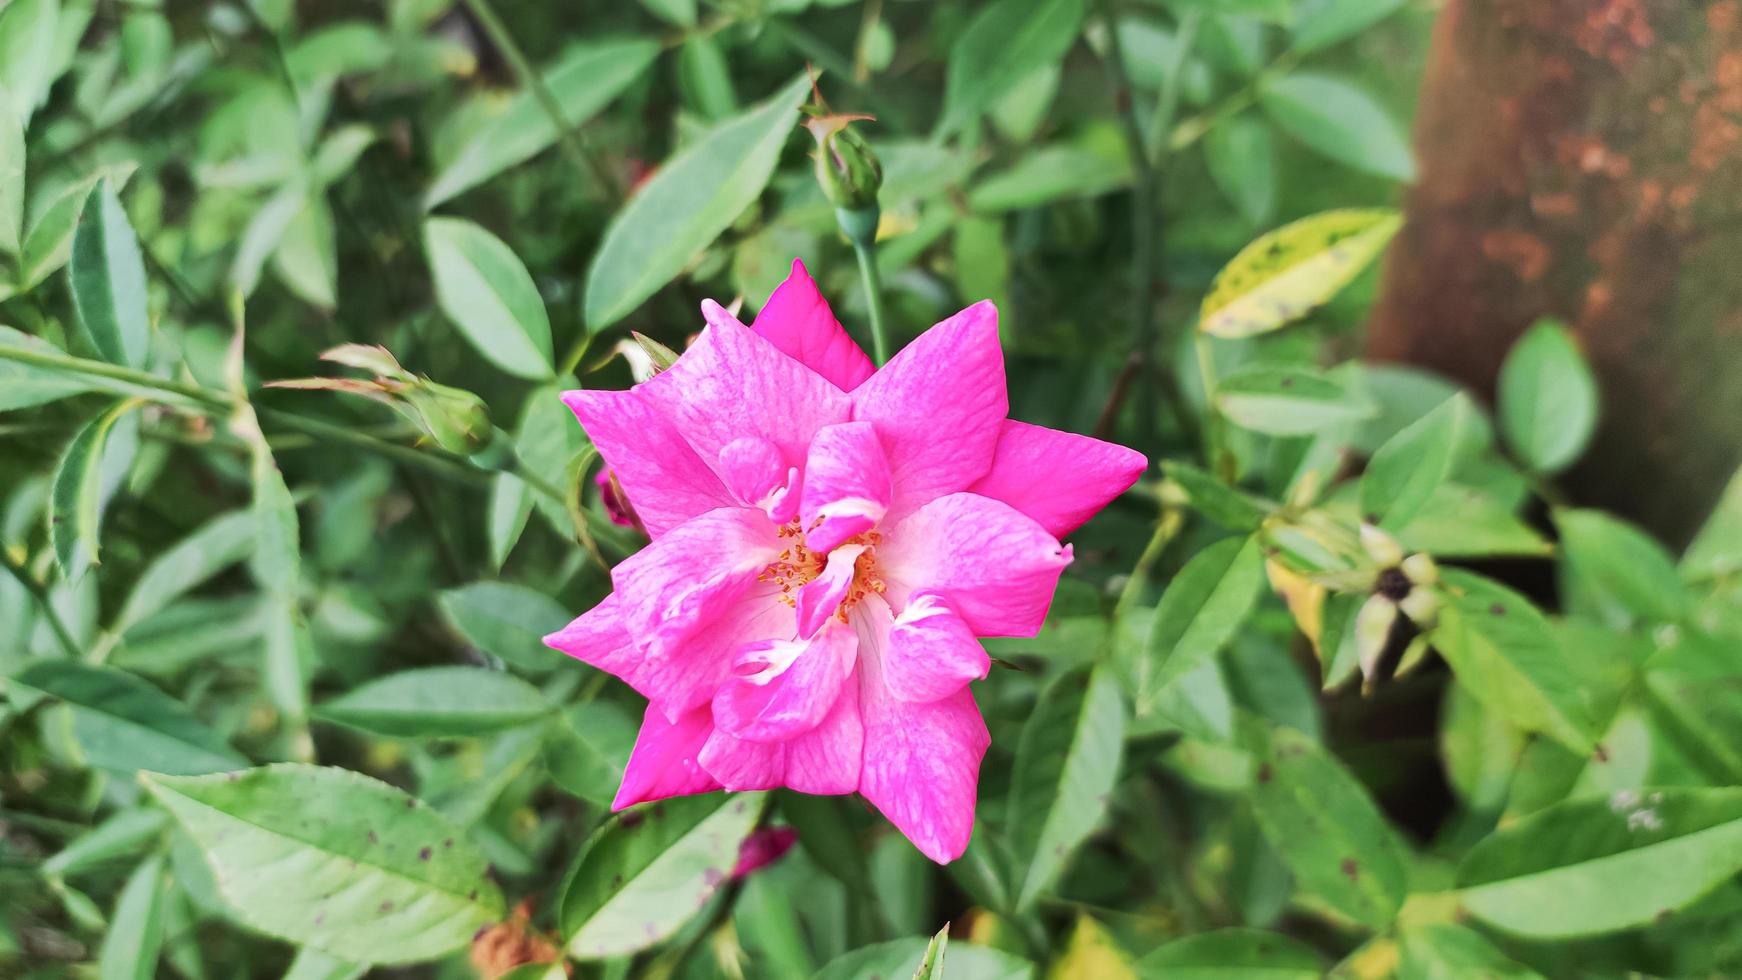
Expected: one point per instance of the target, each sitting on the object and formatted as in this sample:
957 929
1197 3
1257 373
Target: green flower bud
453 418
846 168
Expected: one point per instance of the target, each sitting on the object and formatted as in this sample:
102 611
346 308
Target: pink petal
663 477
931 653
922 764
939 406
753 470
821 596
597 637
731 384
995 565
1058 478
797 320
691 674
680 583
824 760
846 485
781 689
663 762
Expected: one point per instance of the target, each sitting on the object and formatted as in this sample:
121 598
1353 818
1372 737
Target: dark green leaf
1547 398
488 295
1622 564
1340 121
586 753
124 724
1241 156
1288 401
507 621
1225 954
1052 173
86 477
1227 506
440 701
1006 41
1204 604
108 280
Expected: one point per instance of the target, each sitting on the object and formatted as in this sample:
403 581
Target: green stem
1167 526
1214 452
866 252
40 594
533 81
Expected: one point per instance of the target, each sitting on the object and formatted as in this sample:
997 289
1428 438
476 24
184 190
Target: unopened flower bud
1421 569
1421 606
762 848
1372 633
1381 547
453 418
848 171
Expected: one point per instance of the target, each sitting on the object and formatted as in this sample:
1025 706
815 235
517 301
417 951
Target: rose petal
781 689
1058 478
664 760
666 482
846 488
931 653
798 321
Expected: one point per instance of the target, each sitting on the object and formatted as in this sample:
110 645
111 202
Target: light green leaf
1443 951
1592 866
312 964
1322 23
265 231
276 560
335 860
1402 476
1241 156
686 205
586 753
902 958
214 546
1227 954
438 701
108 280
1324 825
1018 113
1199 613
11 179
1464 522
649 870
1622 564
1066 765
1340 121
583 80
124 724
27 53
1288 401
88 473
135 936
307 257
1273 11
26 385
1547 398
489 296
120 836
1506 654
931 965
1690 690
1003 45
682 13
1046 174
1717 548
1289 272
507 621
49 242
1227 506
705 78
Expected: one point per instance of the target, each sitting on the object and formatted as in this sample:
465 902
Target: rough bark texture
1583 159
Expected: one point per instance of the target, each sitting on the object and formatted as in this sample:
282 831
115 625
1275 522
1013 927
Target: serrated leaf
1066 764
1340 121
28 60
108 279
652 868
1289 272
1592 866
487 293
583 80
692 198
1288 401
1547 398
1506 654
124 724
1006 41
437 701
1324 824
87 475
1198 614
1231 953
1402 475
335 860
506 620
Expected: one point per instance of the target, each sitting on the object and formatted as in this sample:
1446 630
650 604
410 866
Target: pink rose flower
828 541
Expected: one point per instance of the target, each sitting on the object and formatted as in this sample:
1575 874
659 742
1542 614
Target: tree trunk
1583 159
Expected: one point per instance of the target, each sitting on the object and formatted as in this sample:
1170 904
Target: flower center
797 565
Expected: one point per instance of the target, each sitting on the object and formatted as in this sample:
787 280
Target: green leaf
120 836
506 620
652 868
1402 476
87 475
1600 865
1464 522
1442 950
135 936
306 259
1323 23
1340 121
489 296
1506 654
439 701
26 385
49 242
108 280
11 179
1716 550
1288 401
276 559
1289 272
124 724
1690 690
682 13
1051 173
1321 821
1066 764
902 958
1273 11
693 197
1226 505
583 80
260 240
335 860
1226 954
27 53
1622 564
1241 157
931 965
214 546
1199 613
1547 398
1005 43
705 78
312 964
586 753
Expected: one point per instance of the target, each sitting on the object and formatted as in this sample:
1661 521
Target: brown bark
1583 159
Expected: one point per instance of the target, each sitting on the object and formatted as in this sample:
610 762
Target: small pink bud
762 848
616 502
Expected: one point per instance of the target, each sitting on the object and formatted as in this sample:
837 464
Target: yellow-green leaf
1293 270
